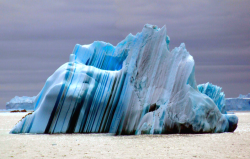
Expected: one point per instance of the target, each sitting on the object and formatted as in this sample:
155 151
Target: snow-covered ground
205 146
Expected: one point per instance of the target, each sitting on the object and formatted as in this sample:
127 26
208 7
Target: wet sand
223 145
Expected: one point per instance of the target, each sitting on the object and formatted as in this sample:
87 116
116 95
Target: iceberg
244 96
214 92
241 103
21 103
136 87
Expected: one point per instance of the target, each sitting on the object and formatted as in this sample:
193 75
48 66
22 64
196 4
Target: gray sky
37 37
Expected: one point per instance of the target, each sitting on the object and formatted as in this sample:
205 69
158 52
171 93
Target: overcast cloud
37 37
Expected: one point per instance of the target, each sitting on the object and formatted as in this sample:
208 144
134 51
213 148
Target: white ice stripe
158 50
172 74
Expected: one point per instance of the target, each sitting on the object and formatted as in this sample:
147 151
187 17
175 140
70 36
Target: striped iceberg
136 87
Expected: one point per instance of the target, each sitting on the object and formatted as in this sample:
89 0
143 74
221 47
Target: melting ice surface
136 87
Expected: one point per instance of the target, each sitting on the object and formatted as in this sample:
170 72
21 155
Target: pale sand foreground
224 145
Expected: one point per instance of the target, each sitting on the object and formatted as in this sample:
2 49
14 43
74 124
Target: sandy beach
223 145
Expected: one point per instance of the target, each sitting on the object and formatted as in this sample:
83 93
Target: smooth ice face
136 87
21 103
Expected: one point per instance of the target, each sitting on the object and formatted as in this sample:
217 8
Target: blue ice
136 87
